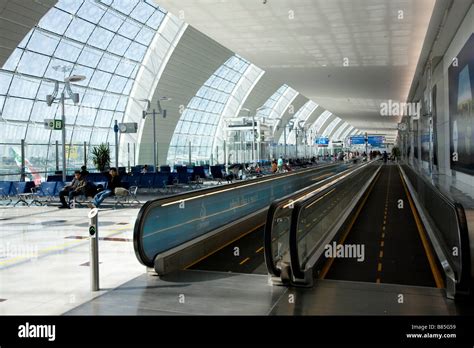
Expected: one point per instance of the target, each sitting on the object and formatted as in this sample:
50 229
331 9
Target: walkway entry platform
193 292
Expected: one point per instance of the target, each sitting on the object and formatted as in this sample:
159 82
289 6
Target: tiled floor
42 250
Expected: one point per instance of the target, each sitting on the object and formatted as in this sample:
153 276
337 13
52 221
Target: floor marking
259 250
329 263
60 247
381 254
379 268
378 281
383 228
383 235
244 261
223 246
382 243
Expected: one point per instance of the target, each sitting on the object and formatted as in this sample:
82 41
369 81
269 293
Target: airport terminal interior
236 157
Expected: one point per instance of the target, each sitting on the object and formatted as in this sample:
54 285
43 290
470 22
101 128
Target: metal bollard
94 248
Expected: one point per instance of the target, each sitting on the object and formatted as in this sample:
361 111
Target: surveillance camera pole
75 98
63 135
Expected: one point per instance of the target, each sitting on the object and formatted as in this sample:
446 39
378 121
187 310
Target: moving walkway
381 223
174 232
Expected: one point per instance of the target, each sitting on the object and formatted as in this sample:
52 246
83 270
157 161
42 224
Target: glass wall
103 40
198 123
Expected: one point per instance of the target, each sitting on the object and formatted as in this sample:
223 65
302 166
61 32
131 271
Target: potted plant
101 157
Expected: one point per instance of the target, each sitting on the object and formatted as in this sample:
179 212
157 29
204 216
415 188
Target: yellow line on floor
56 248
329 262
259 250
379 268
381 254
429 253
223 246
244 261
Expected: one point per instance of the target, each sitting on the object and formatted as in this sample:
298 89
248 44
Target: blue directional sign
358 140
322 142
376 140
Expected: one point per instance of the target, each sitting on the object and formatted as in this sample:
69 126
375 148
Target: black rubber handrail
464 281
298 207
268 229
267 236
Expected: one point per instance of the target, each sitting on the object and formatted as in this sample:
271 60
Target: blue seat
165 169
96 177
146 180
216 172
199 171
45 190
161 180
22 190
54 178
133 180
21 187
6 190
183 176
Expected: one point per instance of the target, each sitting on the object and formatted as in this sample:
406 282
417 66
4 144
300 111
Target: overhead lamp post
154 113
50 98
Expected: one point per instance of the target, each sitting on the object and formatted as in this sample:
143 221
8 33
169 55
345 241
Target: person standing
280 165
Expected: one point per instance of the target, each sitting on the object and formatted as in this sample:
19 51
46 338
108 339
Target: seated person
274 167
113 180
75 188
145 169
84 172
229 177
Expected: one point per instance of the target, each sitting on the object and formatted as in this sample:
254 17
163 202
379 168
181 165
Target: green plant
101 157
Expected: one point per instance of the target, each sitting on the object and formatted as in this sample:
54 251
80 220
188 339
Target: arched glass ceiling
267 111
337 134
199 121
275 107
236 100
104 40
327 132
301 115
316 127
306 111
346 132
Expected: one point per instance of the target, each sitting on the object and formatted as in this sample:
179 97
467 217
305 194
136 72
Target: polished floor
195 292
44 255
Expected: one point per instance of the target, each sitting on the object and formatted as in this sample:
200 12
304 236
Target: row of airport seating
26 193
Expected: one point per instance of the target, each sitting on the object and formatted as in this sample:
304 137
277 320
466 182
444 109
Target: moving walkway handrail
314 191
449 219
246 190
357 179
